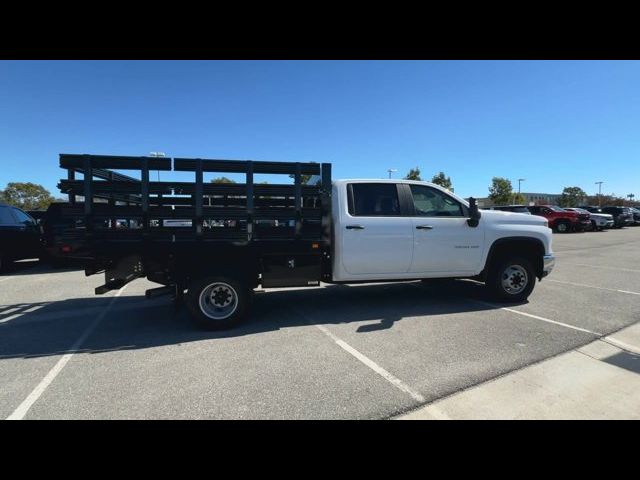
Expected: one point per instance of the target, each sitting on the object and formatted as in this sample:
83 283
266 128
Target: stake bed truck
211 244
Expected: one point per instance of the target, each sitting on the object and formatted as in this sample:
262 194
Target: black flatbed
169 231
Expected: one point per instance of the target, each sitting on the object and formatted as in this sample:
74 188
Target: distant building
529 199
541 198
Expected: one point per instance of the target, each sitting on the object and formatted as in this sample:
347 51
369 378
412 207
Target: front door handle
424 227
355 227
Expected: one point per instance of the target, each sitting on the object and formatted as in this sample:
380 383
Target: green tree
304 179
414 174
222 180
443 181
28 196
572 197
501 191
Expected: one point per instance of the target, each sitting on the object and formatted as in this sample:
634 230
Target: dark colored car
512 208
636 215
622 216
20 236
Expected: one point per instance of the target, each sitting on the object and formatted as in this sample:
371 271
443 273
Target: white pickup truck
241 236
403 230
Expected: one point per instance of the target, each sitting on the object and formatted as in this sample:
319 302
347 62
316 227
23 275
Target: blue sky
555 123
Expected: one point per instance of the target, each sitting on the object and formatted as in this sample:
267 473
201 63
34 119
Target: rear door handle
355 227
424 227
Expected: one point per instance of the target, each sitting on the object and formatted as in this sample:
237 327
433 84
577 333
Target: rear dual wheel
218 303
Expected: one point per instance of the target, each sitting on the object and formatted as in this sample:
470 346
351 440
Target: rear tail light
65 249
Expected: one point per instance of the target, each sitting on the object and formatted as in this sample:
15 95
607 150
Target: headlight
546 223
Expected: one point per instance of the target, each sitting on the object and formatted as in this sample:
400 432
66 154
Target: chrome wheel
562 227
514 279
218 300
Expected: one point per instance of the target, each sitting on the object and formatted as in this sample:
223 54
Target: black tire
563 227
201 303
508 270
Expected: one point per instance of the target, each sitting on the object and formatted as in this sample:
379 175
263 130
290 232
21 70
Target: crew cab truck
561 220
210 245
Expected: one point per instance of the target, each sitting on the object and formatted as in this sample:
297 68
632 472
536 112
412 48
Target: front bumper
548 262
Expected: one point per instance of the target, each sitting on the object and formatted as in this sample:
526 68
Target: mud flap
124 271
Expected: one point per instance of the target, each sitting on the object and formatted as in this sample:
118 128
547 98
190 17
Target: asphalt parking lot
369 351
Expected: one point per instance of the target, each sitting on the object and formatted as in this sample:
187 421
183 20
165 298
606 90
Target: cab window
373 200
430 202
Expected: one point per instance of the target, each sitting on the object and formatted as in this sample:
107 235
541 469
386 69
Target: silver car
598 220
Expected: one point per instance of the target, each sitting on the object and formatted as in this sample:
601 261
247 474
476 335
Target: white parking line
601 266
19 314
396 382
37 307
593 286
28 402
11 310
566 325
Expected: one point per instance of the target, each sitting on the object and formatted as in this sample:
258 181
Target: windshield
557 209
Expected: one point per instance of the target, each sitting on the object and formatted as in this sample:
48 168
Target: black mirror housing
474 213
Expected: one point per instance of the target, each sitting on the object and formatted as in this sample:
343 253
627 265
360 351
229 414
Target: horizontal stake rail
238 211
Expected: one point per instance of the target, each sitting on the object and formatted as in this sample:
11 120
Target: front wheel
218 303
562 227
511 279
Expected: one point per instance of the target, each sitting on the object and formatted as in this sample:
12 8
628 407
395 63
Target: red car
561 220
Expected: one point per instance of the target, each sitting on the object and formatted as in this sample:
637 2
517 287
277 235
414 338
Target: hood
499 216
602 215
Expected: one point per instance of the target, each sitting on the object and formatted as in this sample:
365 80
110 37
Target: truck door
376 237
443 241
28 234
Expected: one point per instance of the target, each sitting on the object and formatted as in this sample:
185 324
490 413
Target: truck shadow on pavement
133 322
36 267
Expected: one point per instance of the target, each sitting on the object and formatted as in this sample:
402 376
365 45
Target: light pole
599 192
157 154
391 170
520 180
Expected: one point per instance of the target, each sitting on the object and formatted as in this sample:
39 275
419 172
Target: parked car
599 221
636 215
20 236
37 215
561 220
511 208
622 216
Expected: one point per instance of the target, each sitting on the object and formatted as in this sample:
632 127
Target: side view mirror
474 213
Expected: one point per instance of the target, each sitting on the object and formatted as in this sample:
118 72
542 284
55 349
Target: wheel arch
531 248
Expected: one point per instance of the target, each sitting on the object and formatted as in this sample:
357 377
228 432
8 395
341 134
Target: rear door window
23 217
5 216
374 200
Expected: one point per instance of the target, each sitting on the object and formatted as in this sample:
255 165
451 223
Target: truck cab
403 229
